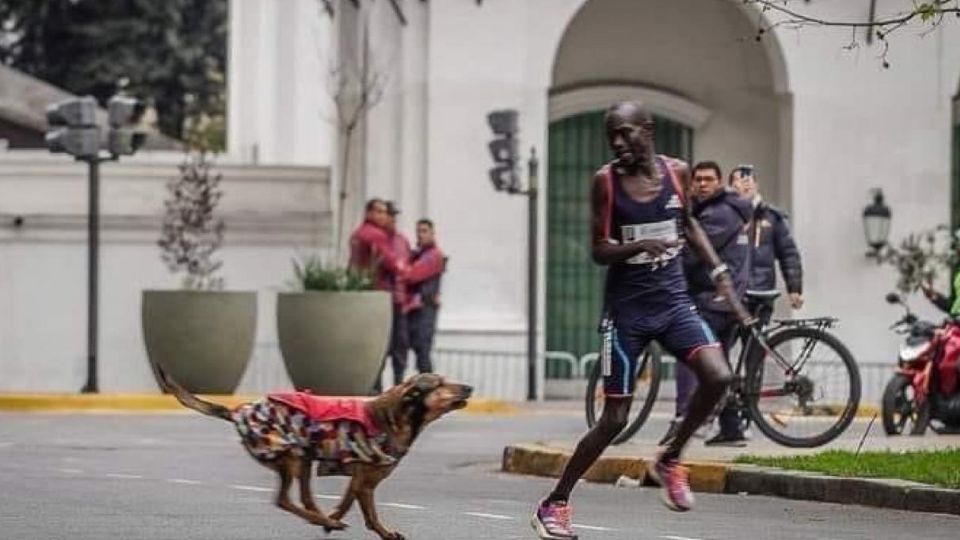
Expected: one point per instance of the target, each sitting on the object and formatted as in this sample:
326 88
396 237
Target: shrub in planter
201 335
334 329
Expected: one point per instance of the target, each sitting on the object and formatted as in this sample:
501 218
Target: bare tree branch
782 14
357 85
925 11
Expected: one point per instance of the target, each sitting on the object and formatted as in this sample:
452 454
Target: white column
279 105
413 157
242 74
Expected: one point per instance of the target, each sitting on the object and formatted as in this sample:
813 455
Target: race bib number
663 231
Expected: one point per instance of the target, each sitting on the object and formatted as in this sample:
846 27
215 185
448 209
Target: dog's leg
306 498
345 503
349 495
358 476
289 467
365 497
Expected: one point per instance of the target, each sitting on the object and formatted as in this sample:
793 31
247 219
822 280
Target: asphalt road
183 476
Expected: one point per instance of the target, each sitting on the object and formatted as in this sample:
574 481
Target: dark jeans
422 325
399 344
724 326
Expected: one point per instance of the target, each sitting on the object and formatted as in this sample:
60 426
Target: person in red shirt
396 283
427 265
371 251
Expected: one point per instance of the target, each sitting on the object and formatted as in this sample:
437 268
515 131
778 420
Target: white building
823 123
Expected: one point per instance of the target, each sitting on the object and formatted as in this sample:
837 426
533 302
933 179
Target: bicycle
778 391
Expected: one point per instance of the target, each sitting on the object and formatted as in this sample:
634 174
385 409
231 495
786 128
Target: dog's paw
331 525
394 536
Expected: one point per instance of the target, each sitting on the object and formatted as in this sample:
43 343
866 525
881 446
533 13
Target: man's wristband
717 271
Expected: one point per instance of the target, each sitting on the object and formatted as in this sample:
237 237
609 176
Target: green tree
171 52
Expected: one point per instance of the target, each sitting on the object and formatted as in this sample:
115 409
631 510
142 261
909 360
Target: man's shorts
681 331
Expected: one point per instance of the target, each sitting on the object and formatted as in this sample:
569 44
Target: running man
638 213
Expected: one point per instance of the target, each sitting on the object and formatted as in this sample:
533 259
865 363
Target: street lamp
876 224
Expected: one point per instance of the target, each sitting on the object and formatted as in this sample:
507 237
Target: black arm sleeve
786 252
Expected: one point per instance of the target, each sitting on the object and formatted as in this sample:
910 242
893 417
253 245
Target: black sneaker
733 441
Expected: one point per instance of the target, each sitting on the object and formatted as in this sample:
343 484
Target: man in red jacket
371 251
427 264
396 283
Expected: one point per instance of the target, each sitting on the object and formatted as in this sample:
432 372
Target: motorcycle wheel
900 409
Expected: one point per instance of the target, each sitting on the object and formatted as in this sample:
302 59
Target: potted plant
334 330
201 335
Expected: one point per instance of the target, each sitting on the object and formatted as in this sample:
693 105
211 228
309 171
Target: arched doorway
715 93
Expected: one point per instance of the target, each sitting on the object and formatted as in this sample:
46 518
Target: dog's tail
189 400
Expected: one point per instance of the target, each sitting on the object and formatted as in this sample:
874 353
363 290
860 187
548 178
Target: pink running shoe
552 521
674 480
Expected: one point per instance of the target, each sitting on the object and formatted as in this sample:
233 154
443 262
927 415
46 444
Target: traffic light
72 127
503 148
123 114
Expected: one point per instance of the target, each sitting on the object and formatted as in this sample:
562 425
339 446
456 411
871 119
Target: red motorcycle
924 391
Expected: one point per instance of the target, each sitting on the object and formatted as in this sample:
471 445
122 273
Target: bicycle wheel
804 391
648 384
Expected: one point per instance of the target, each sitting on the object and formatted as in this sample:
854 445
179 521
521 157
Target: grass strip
936 467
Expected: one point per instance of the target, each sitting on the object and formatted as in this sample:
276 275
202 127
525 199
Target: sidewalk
645 444
711 468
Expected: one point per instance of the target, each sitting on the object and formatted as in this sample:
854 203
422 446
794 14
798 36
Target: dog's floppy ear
422 385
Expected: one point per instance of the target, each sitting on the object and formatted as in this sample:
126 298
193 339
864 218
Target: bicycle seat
763 296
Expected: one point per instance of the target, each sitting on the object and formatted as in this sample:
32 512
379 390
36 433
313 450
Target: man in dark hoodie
726 219
772 241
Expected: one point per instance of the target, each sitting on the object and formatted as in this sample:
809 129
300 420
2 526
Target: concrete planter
203 339
333 343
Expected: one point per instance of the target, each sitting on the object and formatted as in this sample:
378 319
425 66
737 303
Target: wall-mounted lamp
876 224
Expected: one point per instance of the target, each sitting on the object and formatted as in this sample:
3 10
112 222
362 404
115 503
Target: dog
361 438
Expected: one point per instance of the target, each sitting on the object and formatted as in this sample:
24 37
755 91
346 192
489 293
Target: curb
876 492
716 477
864 411
138 403
79 403
540 460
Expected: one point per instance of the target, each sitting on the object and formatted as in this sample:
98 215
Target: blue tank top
649 285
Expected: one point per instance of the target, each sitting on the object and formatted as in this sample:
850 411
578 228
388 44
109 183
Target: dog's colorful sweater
336 431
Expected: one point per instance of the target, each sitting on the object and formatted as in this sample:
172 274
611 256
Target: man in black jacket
725 218
772 241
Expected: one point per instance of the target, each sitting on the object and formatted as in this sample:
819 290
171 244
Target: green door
955 207
577 148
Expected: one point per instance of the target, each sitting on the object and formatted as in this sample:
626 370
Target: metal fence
493 374
503 374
